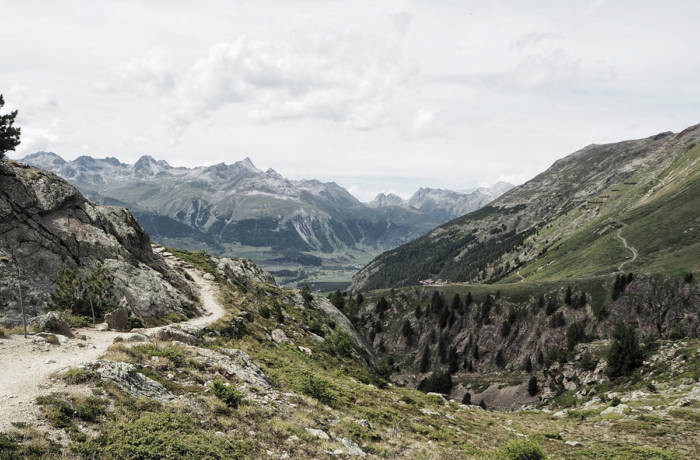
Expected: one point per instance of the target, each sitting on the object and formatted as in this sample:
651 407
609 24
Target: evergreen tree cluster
621 282
87 295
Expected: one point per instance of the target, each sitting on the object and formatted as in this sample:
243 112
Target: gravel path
25 366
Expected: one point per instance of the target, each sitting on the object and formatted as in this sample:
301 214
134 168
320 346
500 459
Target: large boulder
118 320
234 363
52 322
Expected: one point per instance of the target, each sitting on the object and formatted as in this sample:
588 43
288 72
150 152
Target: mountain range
299 229
443 204
606 208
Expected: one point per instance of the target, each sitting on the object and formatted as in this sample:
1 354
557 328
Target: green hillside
572 221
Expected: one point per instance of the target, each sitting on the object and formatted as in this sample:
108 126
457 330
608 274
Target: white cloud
341 78
35 139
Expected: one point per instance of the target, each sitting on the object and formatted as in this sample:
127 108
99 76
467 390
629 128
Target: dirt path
522 278
629 248
25 366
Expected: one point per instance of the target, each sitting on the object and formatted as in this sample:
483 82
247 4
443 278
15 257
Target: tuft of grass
75 376
521 449
62 409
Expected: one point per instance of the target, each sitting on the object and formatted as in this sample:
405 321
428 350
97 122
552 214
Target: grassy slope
653 205
657 216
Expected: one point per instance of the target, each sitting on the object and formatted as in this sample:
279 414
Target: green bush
157 436
521 449
318 388
80 294
264 311
316 327
339 343
306 294
227 393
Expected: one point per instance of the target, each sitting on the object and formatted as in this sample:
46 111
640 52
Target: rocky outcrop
127 377
47 225
234 363
243 272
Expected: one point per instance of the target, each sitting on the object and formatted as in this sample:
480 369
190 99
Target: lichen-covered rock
49 225
234 363
243 272
129 379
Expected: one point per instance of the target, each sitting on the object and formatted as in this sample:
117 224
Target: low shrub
161 435
521 449
318 388
227 393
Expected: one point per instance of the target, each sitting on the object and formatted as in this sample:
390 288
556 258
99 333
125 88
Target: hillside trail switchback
633 250
26 367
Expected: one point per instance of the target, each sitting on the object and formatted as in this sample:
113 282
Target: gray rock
306 351
174 333
209 277
320 434
279 336
352 447
118 320
49 338
617 410
52 322
127 377
234 363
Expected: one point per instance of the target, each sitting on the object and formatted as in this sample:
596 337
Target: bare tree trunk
19 290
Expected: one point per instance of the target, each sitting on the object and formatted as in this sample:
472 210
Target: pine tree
532 386
407 330
568 296
582 300
500 361
359 298
418 312
442 350
625 354
528 365
470 299
437 303
453 361
9 134
457 304
425 360
475 353
467 399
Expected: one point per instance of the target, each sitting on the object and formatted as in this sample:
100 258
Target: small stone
352 447
573 443
306 351
427 411
209 277
320 434
279 336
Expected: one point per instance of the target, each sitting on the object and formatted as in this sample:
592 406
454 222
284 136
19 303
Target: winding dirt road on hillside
633 250
25 367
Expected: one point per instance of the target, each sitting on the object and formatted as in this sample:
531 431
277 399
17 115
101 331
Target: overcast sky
377 96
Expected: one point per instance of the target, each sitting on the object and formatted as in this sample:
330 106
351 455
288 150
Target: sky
378 96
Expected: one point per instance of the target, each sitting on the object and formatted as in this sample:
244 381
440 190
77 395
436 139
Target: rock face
234 363
118 320
48 225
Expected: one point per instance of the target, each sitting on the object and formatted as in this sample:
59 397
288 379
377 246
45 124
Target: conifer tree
9 134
